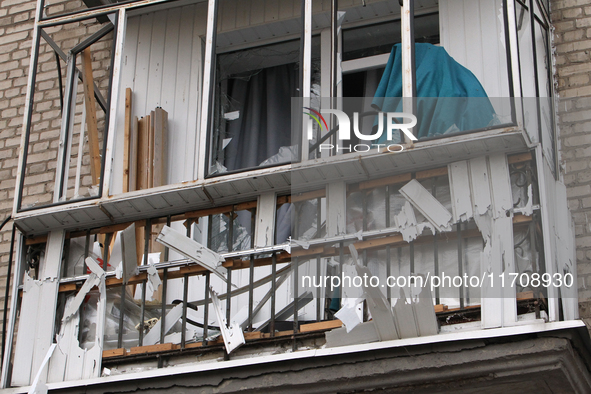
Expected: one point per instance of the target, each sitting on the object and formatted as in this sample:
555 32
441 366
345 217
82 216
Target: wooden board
320 326
152 348
143 155
114 353
93 142
127 141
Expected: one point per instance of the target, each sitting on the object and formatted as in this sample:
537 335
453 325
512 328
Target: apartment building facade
183 175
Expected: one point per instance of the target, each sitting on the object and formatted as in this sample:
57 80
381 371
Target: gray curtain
264 102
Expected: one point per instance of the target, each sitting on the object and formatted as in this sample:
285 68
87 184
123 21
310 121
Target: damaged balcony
198 221
169 131
162 297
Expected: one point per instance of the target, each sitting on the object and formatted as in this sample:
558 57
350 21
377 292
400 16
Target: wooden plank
321 326
245 205
143 156
431 173
133 155
91 123
160 147
114 353
152 348
440 308
150 167
65 287
253 335
519 158
127 141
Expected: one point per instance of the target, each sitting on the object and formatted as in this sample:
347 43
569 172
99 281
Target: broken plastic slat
428 205
154 281
287 312
193 250
406 222
424 312
90 282
172 317
38 386
459 185
94 267
379 307
24 346
480 185
404 316
265 215
349 316
128 246
363 333
232 335
502 197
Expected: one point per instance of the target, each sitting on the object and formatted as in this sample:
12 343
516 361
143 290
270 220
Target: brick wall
572 39
16 24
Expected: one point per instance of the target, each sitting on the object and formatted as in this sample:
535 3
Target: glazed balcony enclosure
202 188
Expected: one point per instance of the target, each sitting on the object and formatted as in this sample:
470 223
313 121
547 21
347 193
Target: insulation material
460 191
428 205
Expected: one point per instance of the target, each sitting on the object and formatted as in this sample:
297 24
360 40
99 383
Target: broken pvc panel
459 182
153 282
287 311
70 361
424 313
379 308
193 250
129 253
349 314
428 205
172 317
480 185
336 203
38 386
232 334
37 319
404 316
501 192
265 220
94 279
406 222
363 333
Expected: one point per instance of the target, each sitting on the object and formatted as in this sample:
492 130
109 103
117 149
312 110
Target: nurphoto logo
393 120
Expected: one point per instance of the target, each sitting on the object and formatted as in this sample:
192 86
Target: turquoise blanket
450 98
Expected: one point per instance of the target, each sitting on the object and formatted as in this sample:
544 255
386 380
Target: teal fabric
466 106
